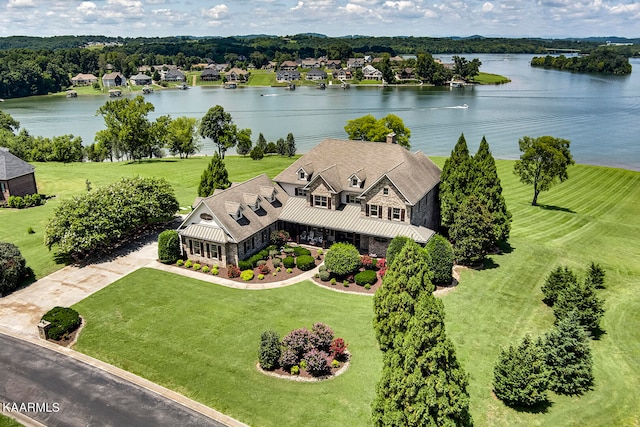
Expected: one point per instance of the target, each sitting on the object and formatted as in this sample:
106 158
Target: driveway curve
57 390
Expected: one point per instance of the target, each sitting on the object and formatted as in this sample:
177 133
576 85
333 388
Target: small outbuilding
17 177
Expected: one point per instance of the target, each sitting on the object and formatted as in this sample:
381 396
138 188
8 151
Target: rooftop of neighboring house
11 166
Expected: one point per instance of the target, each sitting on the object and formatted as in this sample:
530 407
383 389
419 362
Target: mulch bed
304 376
353 287
269 277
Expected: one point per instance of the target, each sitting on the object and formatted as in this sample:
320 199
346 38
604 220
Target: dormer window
302 175
385 191
354 182
238 215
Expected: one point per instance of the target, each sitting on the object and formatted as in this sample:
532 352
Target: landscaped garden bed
267 266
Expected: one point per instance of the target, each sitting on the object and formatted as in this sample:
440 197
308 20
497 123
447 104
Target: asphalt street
58 390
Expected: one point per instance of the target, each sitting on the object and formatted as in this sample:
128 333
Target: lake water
598 114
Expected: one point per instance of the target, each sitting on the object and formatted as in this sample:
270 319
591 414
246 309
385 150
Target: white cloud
21 3
216 12
87 8
487 7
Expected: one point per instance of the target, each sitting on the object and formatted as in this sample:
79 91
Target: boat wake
455 107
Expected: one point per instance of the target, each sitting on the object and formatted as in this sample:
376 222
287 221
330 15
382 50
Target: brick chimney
391 138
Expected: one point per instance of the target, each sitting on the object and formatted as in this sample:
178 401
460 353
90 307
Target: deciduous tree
181 134
544 161
368 128
218 126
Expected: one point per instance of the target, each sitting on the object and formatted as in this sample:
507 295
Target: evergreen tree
520 377
582 298
441 259
488 189
558 280
422 382
281 147
455 181
471 232
215 176
596 275
261 142
393 303
395 246
568 357
291 145
244 142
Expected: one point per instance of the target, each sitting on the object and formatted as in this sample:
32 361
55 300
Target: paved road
73 393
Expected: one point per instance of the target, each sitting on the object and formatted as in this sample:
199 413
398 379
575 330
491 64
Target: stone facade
390 203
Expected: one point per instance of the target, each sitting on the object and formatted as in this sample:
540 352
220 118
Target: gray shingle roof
12 167
414 174
223 204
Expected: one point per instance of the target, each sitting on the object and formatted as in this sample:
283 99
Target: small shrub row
63 321
27 201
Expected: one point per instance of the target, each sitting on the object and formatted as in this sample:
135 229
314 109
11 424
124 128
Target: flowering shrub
233 271
338 348
381 263
317 363
279 237
263 269
299 341
366 261
288 358
321 336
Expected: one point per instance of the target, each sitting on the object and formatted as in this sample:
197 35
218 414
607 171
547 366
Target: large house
364 193
17 177
173 75
113 79
83 79
369 72
140 79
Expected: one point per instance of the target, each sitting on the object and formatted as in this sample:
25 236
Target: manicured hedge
366 277
288 262
305 262
299 251
169 247
63 321
12 267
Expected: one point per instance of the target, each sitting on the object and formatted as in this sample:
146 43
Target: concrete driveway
22 310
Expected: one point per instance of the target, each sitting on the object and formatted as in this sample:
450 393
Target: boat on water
183 86
321 86
113 93
147 89
230 85
72 94
291 86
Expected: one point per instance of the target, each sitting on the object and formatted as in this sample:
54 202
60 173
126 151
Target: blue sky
437 18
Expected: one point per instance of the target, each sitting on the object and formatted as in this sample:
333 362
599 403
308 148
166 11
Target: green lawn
262 78
490 79
8 422
66 180
201 339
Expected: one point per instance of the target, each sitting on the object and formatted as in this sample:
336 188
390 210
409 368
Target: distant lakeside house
140 79
17 177
113 79
364 193
82 79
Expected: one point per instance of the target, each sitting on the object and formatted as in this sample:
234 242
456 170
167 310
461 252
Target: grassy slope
592 216
205 345
8 422
68 180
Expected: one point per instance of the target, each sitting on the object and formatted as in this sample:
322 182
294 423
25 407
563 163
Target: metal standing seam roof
205 232
349 219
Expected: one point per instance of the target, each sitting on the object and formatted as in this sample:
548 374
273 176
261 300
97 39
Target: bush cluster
299 251
342 259
28 201
246 275
63 321
233 271
313 350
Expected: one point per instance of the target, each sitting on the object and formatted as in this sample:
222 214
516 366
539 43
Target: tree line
37 66
602 60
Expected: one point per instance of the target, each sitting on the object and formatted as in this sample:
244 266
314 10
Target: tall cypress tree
393 303
486 186
422 382
568 357
455 181
214 176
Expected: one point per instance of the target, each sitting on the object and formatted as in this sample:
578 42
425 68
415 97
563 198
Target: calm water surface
598 114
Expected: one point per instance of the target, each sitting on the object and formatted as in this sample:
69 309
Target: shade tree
543 163
218 126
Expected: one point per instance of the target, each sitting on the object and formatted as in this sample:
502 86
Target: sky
434 18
